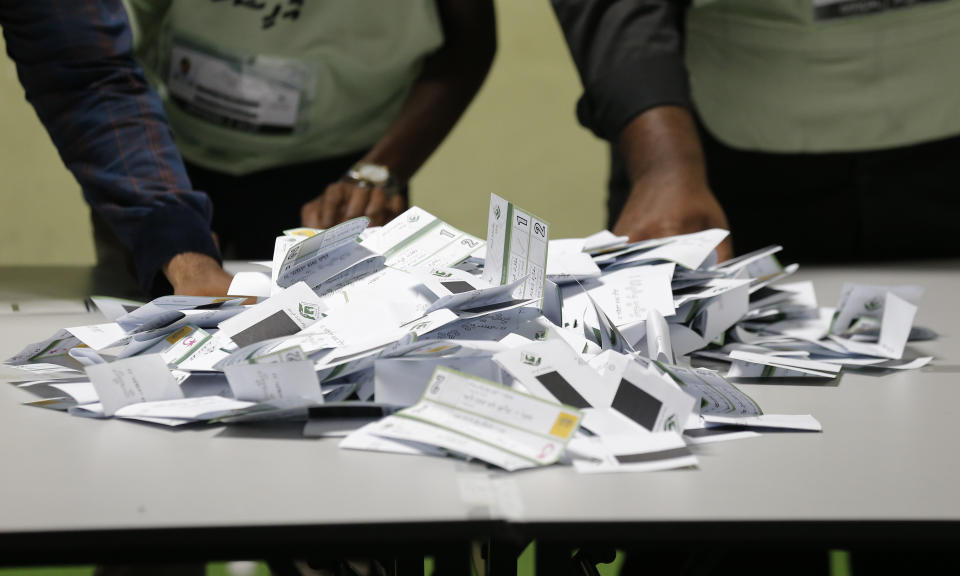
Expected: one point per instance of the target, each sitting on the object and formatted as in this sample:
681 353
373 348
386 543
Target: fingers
333 200
397 204
725 250
343 200
376 209
310 213
356 198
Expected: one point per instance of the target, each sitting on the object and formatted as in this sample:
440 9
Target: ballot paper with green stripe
485 420
516 248
418 239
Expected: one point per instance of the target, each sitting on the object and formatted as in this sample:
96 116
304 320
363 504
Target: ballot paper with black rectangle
285 314
652 400
277 324
552 370
461 291
633 453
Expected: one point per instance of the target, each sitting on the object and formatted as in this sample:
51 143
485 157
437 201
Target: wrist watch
370 175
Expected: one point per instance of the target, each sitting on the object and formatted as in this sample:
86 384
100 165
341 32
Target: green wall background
519 139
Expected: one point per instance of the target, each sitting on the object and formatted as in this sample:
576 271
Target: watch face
373 173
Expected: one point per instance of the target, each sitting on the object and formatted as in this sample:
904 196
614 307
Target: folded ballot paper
518 350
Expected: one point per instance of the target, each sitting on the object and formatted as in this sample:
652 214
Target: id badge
832 9
259 94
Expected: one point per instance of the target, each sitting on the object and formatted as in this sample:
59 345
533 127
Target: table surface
885 460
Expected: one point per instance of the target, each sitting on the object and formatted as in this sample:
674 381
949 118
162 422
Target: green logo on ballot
531 360
308 310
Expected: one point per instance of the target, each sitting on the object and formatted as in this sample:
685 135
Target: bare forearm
663 140
670 194
196 274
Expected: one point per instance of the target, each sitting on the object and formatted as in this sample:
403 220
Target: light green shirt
262 84
776 76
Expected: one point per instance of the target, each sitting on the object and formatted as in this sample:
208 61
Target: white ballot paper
183 343
113 308
895 325
714 394
753 365
55 346
256 284
310 254
60 395
176 346
165 310
86 356
514 425
634 453
133 380
700 432
652 400
207 355
566 261
402 381
458 290
273 380
198 408
100 336
285 314
866 300
604 240
418 239
415 433
721 312
365 438
552 370
687 250
803 422
625 295
516 248
659 343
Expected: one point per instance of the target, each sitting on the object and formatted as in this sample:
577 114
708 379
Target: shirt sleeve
629 54
74 59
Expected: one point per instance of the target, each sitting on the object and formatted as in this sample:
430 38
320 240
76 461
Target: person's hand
344 200
667 205
194 274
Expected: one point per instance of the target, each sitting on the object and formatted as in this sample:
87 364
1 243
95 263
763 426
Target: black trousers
249 211
881 205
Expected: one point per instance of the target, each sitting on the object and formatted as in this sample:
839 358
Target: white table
883 470
82 490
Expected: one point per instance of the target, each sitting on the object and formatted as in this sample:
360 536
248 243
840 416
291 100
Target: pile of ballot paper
518 350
